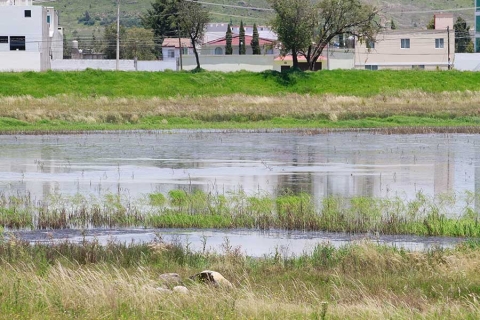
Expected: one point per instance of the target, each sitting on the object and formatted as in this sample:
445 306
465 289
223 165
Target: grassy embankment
98 100
358 281
421 216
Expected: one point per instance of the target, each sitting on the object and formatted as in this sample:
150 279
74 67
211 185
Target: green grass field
103 100
172 84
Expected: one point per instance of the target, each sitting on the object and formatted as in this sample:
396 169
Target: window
405 43
17 43
28 13
48 19
370 44
371 67
477 23
218 51
439 43
171 53
3 39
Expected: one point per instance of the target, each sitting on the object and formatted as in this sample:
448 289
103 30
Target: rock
181 289
212 277
170 280
164 290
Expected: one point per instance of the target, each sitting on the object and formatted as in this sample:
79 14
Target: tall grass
357 281
443 215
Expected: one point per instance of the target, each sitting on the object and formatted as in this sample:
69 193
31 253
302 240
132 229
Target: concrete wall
20 61
467 61
339 59
156 65
388 54
230 63
124 65
78 65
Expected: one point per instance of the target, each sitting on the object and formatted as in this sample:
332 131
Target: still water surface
343 164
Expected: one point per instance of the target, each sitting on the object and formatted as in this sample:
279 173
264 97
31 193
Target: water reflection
251 243
343 164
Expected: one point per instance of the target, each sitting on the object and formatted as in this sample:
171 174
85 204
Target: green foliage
255 40
192 19
462 36
393 26
228 40
241 38
157 199
431 24
139 43
110 41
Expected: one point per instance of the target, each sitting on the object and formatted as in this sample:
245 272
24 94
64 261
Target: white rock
181 289
213 277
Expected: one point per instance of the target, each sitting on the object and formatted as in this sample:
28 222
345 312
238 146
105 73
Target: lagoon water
343 164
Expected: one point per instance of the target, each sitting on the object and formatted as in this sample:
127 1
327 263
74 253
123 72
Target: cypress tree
228 38
241 44
392 25
255 40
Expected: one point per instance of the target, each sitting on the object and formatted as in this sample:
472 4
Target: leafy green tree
139 43
255 43
110 41
192 18
393 26
462 35
228 39
241 44
162 18
305 27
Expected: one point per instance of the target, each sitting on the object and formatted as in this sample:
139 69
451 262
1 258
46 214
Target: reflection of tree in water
296 182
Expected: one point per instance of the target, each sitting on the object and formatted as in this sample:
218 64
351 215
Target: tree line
303 27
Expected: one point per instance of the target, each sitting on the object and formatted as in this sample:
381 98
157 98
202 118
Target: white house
410 49
171 48
29 36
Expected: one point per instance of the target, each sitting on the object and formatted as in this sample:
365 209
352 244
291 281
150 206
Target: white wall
124 65
156 65
14 23
81 64
230 63
20 61
467 61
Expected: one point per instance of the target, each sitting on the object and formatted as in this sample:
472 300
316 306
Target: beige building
410 49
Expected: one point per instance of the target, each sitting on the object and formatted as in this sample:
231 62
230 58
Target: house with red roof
217 46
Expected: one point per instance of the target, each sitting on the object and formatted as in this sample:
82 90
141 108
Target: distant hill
86 17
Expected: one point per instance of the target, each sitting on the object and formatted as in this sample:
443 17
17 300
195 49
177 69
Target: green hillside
405 13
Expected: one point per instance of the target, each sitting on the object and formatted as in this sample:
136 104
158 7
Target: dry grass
371 282
333 107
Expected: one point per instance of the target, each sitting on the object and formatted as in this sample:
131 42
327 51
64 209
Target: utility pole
118 35
448 43
180 46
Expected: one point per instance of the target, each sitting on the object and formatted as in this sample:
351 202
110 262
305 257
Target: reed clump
442 215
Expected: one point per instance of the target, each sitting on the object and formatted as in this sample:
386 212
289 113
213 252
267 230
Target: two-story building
409 49
29 36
